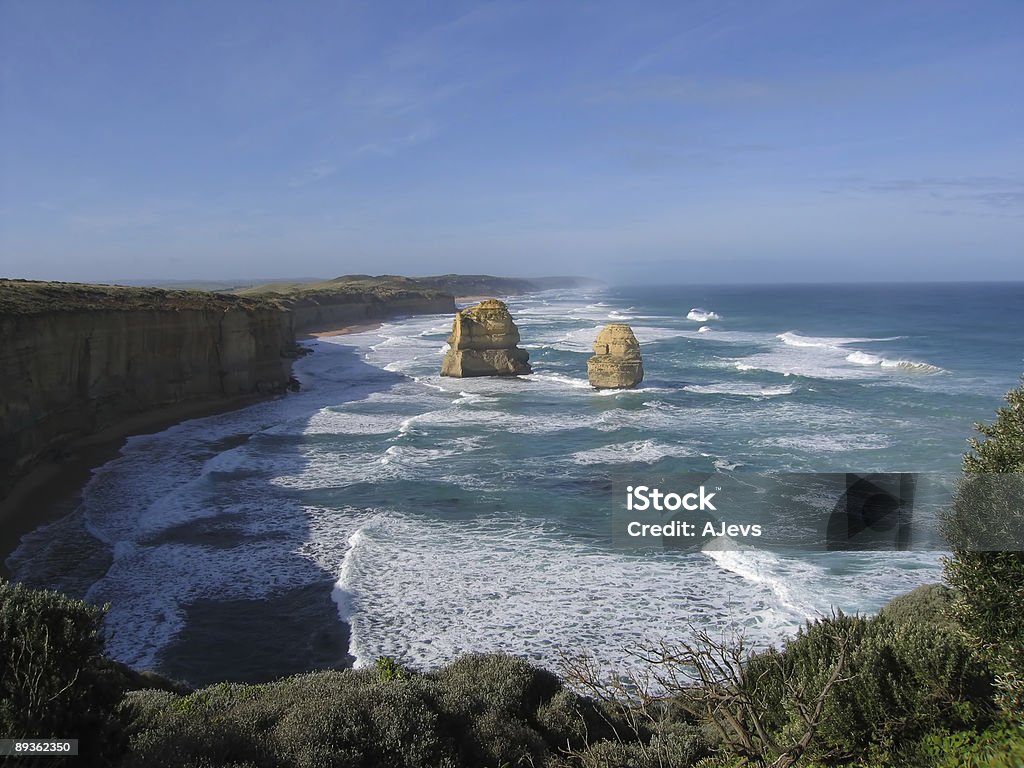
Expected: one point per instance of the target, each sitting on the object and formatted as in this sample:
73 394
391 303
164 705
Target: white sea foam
798 340
741 388
863 358
572 594
791 580
580 340
827 443
559 380
702 315
793 339
639 451
828 358
388 592
330 421
647 334
704 329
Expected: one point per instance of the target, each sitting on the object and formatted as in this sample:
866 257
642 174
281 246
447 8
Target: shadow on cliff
294 627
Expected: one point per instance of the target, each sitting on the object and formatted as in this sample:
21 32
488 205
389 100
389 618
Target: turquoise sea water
437 516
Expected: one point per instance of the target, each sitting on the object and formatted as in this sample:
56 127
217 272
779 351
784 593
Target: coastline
344 330
54 489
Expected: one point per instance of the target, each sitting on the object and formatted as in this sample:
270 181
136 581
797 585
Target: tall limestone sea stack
616 363
483 343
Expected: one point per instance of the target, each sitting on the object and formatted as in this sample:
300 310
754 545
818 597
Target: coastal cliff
76 359
353 299
315 310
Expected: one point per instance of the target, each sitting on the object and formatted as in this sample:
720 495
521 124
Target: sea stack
616 363
483 343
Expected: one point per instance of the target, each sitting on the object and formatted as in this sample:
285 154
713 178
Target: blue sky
698 141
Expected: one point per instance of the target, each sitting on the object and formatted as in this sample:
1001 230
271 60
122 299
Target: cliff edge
76 359
353 299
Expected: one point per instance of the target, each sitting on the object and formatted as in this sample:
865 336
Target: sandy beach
343 331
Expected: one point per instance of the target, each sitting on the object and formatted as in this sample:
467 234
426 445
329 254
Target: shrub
200 729
1001 746
322 719
930 603
479 711
492 702
674 745
678 745
364 723
990 602
389 669
54 681
902 680
509 685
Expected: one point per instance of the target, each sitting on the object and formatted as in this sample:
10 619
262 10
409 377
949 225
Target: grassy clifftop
33 297
28 297
386 286
383 287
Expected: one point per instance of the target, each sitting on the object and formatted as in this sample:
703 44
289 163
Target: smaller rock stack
483 343
616 363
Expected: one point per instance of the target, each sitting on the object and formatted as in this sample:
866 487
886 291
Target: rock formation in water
616 363
483 343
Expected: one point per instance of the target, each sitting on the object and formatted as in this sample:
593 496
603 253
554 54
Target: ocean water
387 510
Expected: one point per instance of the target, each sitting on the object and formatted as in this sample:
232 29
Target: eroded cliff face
327 311
67 374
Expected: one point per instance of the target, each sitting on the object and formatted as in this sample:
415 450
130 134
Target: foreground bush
988 512
901 680
930 603
54 680
479 711
1001 746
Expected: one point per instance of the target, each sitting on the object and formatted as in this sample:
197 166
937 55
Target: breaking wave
702 315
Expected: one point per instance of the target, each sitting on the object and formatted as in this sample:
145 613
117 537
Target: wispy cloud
391 145
109 222
814 90
946 195
313 175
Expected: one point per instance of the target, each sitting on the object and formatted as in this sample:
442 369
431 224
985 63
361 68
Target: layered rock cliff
76 359
616 363
483 343
353 299
325 310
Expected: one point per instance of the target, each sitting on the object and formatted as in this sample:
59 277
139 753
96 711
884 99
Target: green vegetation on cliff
31 297
439 285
